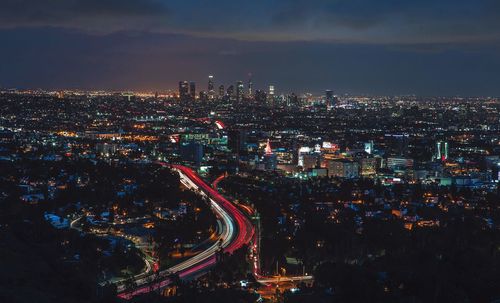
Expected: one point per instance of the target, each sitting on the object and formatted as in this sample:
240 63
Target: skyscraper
183 90
203 96
210 84
192 151
221 91
239 90
441 151
270 95
271 90
192 89
260 96
329 97
270 158
230 91
292 100
237 140
250 86
369 147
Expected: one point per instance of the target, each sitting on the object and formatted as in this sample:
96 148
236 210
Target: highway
237 231
266 280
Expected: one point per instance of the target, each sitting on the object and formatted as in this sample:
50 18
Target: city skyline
357 47
249 195
266 151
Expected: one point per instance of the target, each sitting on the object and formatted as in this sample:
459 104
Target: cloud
392 21
226 52
91 15
349 21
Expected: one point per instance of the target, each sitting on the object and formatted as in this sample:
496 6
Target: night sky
424 47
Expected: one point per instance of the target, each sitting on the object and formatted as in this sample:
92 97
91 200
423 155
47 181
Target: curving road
237 231
256 251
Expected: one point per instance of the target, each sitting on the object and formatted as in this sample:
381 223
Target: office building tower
271 90
309 161
292 100
301 153
221 91
343 168
270 159
192 152
211 84
250 86
369 147
237 140
260 96
270 95
329 97
239 90
192 90
441 151
203 96
230 91
211 88
368 166
183 90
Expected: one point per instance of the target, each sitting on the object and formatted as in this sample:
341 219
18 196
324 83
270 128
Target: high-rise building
239 90
271 90
309 161
329 97
343 168
250 86
192 90
211 84
260 96
221 91
368 166
230 91
237 140
301 153
292 100
270 95
191 151
441 151
183 90
203 96
270 159
369 147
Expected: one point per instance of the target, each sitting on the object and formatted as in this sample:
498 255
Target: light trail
237 231
256 251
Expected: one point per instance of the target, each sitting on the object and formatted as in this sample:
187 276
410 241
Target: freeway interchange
237 230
